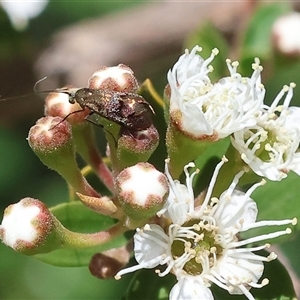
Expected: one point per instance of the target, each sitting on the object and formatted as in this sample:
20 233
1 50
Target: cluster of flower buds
111 101
197 237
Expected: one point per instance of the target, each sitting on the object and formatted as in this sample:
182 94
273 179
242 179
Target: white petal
178 203
193 120
292 117
295 164
190 288
236 271
150 244
236 209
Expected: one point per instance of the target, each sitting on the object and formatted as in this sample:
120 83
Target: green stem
234 165
70 239
182 150
86 147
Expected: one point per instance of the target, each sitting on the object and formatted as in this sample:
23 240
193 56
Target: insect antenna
29 94
64 90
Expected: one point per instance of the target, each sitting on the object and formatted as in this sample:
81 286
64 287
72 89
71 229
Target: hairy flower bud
30 228
26 226
51 140
141 190
50 134
119 79
136 146
58 105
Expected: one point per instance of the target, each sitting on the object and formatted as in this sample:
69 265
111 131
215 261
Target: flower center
271 143
195 248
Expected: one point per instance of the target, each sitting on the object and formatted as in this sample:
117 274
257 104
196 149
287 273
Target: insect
129 110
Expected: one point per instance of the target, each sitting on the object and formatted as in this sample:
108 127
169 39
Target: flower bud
50 134
26 226
119 79
107 264
30 228
136 146
51 140
141 190
285 34
58 105
103 205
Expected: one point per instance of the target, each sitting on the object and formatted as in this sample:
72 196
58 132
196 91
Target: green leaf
147 285
280 286
276 201
291 250
257 41
76 217
209 37
207 163
284 75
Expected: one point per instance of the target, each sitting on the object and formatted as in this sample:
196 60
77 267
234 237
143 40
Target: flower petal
150 244
190 288
236 271
238 209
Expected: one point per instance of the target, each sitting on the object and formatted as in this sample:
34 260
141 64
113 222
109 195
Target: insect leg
67 116
97 124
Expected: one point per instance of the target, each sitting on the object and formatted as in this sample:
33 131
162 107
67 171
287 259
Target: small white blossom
285 33
270 148
200 108
21 11
201 246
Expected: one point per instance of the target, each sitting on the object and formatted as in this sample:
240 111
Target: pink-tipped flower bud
285 34
119 79
26 226
141 190
58 105
30 228
50 134
51 140
136 146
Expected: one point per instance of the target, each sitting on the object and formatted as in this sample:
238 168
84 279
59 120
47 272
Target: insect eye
71 100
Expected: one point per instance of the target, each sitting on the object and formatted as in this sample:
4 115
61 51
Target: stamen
278 98
211 185
264 282
259 238
268 223
246 292
245 250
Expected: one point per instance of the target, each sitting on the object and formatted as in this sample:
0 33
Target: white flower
200 108
201 246
20 12
270 148
285 33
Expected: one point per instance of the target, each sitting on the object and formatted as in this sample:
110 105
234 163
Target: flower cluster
202 245
201 109
199 238
267 137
